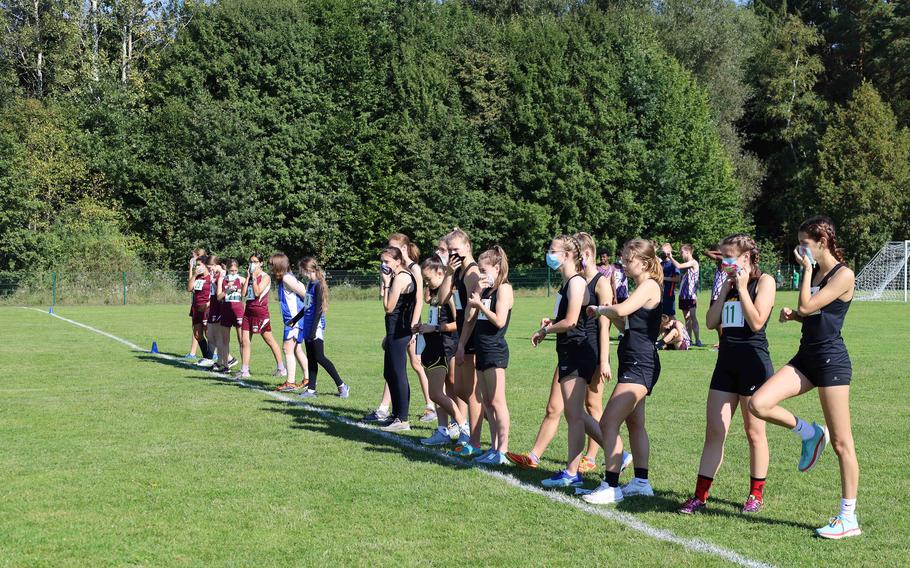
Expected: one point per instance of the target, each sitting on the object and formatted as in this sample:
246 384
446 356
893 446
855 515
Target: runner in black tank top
638 360
398 336
822 361
461 304
489 340
576 356
745 301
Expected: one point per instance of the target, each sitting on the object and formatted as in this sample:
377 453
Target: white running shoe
280 373
453 431
640 487
206 363
397 426
437 439
603 495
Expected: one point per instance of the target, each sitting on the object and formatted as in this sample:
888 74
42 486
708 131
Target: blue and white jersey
290 302
313 322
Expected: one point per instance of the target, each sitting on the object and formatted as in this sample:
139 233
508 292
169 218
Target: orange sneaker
289 387
524 461
586 465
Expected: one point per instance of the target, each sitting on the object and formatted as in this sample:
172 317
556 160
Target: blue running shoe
483 455
465 450
563 479
437 439
344 391
813 448
189 357
840 527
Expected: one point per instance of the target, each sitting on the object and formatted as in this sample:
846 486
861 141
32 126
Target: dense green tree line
324 125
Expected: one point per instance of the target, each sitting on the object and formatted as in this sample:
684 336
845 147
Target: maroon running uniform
202 291
256 315
232 306
214 315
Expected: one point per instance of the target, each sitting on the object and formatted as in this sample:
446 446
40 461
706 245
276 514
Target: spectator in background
688 290
671 279
714 254
603 264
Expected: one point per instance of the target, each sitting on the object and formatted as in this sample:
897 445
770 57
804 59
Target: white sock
847 508
383 408
465 428
803 430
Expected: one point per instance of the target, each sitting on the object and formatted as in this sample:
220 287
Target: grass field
113 457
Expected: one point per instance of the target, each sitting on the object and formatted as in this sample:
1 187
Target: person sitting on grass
675 336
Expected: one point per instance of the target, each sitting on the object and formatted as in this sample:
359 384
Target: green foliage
864 172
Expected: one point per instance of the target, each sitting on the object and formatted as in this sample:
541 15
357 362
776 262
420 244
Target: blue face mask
553 261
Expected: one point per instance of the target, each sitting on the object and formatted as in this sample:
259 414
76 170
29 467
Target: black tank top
577 335
489 339
642 329
462 299
734 337
590 324
444 341
825 325
398 322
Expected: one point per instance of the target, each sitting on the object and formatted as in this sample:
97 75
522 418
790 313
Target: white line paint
625 519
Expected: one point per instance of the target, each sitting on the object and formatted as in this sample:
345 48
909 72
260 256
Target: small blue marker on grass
154 347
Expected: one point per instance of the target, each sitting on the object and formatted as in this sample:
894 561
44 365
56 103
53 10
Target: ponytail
320 278
413 251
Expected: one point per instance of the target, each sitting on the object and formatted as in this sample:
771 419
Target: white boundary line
626 519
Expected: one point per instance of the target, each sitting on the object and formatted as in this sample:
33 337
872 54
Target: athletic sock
848 508
803 430
244 369
442 430
281 367
383 408
611 478
702 487
757 487
465 429
534 457
641 473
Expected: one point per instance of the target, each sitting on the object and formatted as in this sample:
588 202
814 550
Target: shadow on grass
313 419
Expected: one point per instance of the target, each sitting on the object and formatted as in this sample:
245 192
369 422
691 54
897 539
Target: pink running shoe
692 506
752 505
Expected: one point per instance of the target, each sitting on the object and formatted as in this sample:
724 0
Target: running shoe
840 527
288 387
638 487
492 458
232 363
465 450
376 416
396 426
813 448
605 494
752 505
483 454
280 373
586 465
453 431
308 393
344 391
463 438
563 479
699 344
242 375
428 415
524 461
626 461
438 438
219 368
205 363
692 506
189 357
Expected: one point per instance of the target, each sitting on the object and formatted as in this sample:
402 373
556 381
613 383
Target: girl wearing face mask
639 369
399 302
222 330
597 333
461 282
194 344
437 355
256 318
822 362
291 299
231 295
576 358
442 251
199 284
316 304
493 305
212 313
743 365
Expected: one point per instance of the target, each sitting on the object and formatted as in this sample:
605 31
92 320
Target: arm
604 298
317 312
448 283
757 313
189 282
503 305
219 289
472 285
418 308
394 292
246 284
576 293
290 282
637 300
716 309
681 265
258 288
840 284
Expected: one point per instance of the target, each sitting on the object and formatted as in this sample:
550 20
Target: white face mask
254 266
444 257
200 269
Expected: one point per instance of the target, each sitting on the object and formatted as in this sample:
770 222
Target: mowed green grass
112 457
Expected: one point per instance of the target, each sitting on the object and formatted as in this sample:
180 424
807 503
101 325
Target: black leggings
396 375
315 354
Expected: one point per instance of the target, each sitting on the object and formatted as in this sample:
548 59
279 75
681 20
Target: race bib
434 316
732 315
307 301
486 304
233 297
556 306
457 298
197 285
814 290
250 295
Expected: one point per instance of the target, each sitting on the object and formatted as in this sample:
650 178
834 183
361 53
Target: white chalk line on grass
626 519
